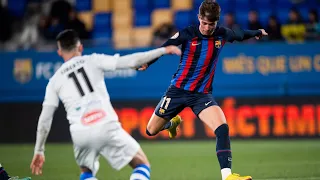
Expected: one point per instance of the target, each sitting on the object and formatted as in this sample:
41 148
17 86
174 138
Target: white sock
92 178
225 172
0 165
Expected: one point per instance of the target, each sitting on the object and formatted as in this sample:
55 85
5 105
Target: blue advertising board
266 69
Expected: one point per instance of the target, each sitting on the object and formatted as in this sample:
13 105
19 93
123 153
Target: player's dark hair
210 9
68 39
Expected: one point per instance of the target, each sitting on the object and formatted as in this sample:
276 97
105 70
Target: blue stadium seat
243 5
102 22
283 4
242 19
83 5
264 16
283 15
227 6
17 7
102 35
263 4
157 4
183 19
141 5
142 18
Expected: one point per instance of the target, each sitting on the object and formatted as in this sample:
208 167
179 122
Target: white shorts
108 140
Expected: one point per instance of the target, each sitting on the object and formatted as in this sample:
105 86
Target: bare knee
85 169
155 125
138 159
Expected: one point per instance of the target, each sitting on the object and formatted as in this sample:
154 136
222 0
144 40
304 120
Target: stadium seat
263 4
122 38
83 5
178 5
282 15
102 21
160 4
101 5
17 7
87 18
264 16
142 37
160 16
242 19
141 5
227 6
283 4
122 5
142 18
122 20
243 5
183 19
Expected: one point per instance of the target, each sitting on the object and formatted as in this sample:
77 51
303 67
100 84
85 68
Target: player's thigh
86 154
167 108
213 116
120 149
207 109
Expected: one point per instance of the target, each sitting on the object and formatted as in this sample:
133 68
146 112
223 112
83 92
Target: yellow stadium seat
179 5
161 16
87 18
101 5
122 20
142 37
122 38
122 5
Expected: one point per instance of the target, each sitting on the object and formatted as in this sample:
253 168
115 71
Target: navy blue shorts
175 100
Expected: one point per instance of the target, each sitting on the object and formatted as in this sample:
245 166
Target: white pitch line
301 178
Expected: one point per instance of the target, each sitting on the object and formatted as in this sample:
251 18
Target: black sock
166 126
223 149
3 174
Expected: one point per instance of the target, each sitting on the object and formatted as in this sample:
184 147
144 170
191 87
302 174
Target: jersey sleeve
51 97
238 34
104 62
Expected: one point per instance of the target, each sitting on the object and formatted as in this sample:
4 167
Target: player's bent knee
150 133
85 169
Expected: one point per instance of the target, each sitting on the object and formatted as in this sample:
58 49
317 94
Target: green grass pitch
182 160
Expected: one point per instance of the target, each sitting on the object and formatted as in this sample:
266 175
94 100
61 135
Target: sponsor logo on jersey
22 70
92 117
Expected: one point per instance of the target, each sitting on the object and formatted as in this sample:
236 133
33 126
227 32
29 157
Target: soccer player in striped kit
191 85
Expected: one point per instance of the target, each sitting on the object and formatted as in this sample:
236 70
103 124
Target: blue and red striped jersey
199 58
200 55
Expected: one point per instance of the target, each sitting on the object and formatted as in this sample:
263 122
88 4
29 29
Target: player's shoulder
185 33
220 31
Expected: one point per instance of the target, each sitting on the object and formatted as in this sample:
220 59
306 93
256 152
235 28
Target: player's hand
263 33
143 67
173 50
37 164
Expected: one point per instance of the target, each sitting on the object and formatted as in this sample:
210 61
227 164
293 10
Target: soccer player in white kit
94 126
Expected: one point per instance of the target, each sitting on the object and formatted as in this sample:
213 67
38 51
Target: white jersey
79 84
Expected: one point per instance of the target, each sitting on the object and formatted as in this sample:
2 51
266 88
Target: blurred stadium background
269 89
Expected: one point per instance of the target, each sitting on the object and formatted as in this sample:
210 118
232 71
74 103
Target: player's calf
140 166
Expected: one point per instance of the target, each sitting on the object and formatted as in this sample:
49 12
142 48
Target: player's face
206 27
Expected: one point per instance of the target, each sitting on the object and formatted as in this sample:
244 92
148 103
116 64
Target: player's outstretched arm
137 59
239 34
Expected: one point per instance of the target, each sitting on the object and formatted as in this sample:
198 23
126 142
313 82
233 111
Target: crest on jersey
22 70
162 111
217 44
175 36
